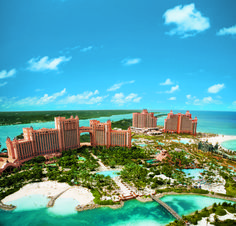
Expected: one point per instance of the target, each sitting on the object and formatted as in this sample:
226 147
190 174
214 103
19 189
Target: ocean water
208 121
230 144
133 213
213 122
14 130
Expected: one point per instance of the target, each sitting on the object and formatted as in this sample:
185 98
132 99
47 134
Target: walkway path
168 208
54 198
126 191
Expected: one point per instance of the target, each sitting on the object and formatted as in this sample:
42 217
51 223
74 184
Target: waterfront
132 213
208 121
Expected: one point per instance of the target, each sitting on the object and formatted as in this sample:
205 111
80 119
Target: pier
167 207
54 198
6 207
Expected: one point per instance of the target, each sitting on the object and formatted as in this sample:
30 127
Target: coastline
52 188
220 138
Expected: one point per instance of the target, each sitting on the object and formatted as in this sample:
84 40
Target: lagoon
133 213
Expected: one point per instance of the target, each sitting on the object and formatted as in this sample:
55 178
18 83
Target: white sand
51 188
80 194
211 218
218 139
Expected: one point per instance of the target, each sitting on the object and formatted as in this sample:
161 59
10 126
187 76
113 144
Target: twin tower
66 135
174 123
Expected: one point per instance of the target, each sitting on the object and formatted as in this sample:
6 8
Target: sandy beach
51 188
218 139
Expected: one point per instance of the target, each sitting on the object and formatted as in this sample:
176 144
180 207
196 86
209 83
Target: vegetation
120 155
23 117
122 124
12 183
218 209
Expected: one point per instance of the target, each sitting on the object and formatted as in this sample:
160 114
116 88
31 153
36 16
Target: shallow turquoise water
132 213
186 204
160 143
184 142
210 122
142 145
113 173
231 144
193 173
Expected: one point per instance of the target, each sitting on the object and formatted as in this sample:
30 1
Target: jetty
6 207
167 207
54 198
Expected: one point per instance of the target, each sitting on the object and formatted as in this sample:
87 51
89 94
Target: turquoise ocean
31 210
208 121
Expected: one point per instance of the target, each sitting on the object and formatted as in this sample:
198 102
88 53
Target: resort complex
66 135
180 123
144 120
156 165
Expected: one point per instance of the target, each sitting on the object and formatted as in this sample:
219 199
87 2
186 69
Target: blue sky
127 54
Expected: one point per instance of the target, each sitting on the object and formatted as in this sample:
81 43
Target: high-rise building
66 135
180 123
144 119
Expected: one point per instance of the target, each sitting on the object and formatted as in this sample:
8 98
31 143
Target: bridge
54 198
167 207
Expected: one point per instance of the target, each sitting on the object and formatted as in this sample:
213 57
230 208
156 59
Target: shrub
220 211
231 209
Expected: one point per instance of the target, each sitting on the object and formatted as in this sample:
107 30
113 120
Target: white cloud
173 89
227 31
204 101
86 97
120 98
187 19
172 98
130 61
5 74
31 101
118 85
167 82
45 99
188 96
44 64
216 88
3 84
86 49
234 102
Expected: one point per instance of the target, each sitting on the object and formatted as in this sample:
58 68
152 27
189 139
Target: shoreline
52 188
83 195
220 138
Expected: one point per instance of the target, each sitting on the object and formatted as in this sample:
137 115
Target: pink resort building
180 123
66 135
144 120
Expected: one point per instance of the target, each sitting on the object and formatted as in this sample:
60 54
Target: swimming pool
193 173
111 173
